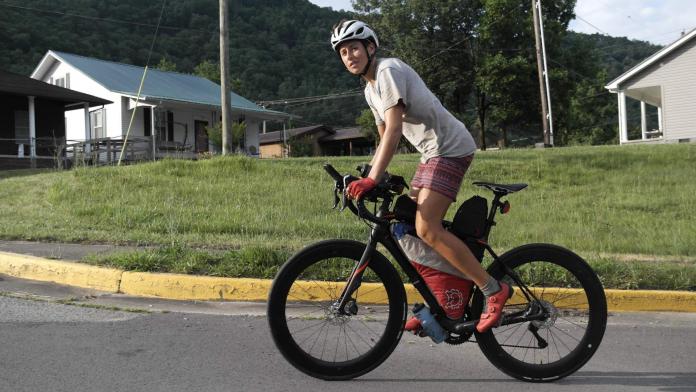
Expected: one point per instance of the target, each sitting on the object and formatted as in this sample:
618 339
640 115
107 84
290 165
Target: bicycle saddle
503 189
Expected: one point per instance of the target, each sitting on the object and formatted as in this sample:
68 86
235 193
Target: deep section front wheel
315 336
570 296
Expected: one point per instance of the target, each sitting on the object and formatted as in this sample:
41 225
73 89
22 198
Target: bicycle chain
454 340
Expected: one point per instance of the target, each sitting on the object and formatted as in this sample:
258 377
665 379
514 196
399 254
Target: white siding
676 74
75 119
188 116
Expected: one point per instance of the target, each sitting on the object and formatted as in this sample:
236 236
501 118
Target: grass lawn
594 200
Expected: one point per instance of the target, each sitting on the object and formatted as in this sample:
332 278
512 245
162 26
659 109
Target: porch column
88 128
154 133
659 120
623 122
643 122
251 137
32 128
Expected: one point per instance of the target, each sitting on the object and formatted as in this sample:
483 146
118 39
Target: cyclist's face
354 56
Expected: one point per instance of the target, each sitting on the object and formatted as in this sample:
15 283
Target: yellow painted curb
190 287
187 287
651 301
617 300
72 274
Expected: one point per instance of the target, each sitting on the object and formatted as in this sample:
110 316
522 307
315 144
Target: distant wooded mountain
279 48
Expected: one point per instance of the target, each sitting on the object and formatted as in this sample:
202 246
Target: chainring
456 340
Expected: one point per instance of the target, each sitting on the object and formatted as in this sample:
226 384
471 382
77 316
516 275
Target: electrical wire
142 81
110 20
590 23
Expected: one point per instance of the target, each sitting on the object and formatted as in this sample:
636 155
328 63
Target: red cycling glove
357 188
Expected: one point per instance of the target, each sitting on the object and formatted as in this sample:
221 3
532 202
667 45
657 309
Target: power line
110 20
315 98
593 26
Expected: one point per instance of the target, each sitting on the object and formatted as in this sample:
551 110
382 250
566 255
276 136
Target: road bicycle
337 308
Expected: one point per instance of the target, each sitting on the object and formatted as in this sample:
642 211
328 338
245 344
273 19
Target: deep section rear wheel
573 300
321 341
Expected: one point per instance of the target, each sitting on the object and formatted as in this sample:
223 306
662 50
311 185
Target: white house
665 81
174 108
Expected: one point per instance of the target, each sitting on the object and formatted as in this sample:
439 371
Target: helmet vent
345 28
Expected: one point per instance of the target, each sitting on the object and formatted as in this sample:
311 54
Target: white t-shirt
432 130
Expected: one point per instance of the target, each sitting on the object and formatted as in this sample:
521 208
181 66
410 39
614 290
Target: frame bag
469 224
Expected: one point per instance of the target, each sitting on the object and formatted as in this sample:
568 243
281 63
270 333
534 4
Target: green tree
366 122
506 72
166 65
209 70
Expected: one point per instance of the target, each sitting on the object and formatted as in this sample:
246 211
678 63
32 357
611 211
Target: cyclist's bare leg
432 207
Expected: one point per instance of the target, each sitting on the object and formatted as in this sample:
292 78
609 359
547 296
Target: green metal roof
174 86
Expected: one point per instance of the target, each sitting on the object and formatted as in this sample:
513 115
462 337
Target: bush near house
215 135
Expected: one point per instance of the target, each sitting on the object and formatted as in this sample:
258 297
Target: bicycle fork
355 279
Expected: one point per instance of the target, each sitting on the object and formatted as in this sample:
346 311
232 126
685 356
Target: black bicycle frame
381 234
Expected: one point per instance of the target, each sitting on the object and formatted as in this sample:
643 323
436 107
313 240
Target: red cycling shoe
494 310
414 326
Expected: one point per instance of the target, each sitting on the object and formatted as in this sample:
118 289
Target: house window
170 126
97 122
147 121
164 122
67 80
60 82
21 127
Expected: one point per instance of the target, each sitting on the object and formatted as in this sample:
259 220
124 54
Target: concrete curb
188 287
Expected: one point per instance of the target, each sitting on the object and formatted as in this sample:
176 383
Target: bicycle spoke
574 305
575 324
531 338
566 333
352 344
368 328
359 335
553 339
562 342
316 340
516 327
569 296
311 326
326 338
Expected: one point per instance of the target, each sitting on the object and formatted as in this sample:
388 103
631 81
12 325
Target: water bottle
430 326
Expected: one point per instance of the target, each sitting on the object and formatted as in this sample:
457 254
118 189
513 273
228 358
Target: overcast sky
657 21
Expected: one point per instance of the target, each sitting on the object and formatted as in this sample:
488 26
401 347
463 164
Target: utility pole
545 93
225 79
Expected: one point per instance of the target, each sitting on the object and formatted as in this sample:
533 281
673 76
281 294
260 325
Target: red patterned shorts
442 175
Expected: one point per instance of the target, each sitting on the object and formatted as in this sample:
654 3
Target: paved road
189 346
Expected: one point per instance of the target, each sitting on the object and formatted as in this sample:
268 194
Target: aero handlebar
360 210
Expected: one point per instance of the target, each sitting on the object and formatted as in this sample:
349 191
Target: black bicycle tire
278 322
596 327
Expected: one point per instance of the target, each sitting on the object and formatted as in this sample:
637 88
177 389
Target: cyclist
403 105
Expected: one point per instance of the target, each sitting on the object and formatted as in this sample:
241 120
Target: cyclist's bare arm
390 134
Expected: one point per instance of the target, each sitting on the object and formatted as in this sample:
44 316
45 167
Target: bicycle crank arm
520 317
509 318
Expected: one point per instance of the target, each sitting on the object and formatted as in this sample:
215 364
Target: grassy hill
635 200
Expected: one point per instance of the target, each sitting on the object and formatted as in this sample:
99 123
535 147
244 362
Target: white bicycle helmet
347 30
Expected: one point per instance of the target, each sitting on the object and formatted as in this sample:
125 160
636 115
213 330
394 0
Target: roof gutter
613 86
